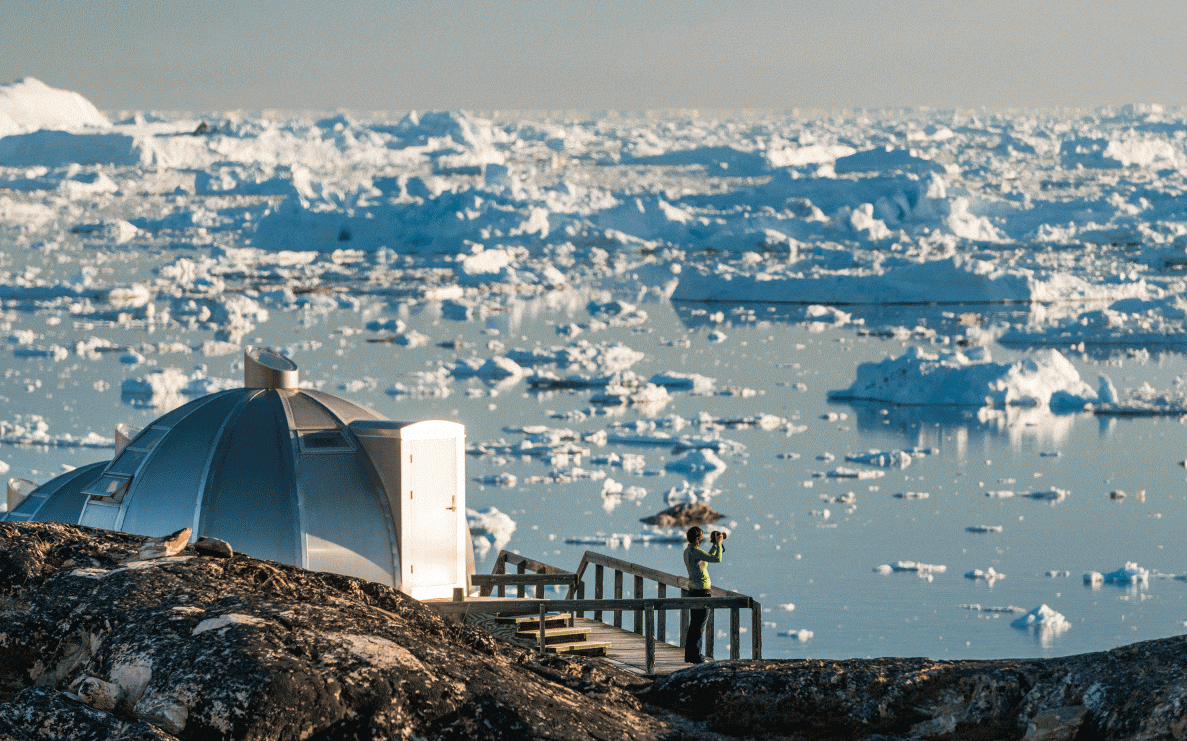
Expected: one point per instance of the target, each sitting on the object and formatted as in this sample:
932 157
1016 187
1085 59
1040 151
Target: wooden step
556 635
585 648
523 622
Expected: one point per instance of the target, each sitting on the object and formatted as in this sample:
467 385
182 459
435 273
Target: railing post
683 621
580 595
540 644
540 587
661 626
617 595
523 569
710 633
756 630
599 588
650 639
735 633
638 594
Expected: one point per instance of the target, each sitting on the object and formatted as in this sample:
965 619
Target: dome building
282 473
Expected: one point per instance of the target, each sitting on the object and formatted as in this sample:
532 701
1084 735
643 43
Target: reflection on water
929 426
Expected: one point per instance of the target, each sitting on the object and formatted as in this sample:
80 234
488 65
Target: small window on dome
147 439
323 441
109 488
127 463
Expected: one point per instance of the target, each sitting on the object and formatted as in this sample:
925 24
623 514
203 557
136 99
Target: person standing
697 560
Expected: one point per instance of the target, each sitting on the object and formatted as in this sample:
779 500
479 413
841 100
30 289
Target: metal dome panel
168 487
249 500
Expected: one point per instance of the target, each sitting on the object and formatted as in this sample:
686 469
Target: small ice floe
427 385
694 383
800 635
847 498
1045 621
614 494
882 459
990 575
489 529
700 461
1130 573
826 457
1118 496
630 462
1050 454
1003 494
912 495
767 422
922 569
686 492
848 473
717 336
1056 574
496 367
984 528
411 339
53 352
625 540
835 417
1008 609
788 456
500 479
1052 495
787 607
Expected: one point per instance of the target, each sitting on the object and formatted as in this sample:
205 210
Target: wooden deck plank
629 650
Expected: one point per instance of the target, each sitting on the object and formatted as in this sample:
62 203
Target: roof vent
264 369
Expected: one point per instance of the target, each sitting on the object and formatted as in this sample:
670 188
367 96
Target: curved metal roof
275 470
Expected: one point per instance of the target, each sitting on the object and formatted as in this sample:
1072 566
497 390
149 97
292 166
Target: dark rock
213 547
244 649
685 514
44 714
1132 692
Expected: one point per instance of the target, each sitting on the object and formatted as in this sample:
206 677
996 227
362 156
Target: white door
431 548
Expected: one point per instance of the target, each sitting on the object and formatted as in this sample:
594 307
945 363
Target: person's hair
695 534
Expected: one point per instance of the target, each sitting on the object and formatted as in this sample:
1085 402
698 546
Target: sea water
783 549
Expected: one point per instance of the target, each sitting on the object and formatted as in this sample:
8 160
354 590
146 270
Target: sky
484 55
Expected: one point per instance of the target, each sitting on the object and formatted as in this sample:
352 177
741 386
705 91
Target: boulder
685 514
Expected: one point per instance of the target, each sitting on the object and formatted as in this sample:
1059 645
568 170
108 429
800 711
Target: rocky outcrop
684 514
95 643
109 636
1132 692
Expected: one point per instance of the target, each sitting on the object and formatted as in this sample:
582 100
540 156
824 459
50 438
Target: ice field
930 364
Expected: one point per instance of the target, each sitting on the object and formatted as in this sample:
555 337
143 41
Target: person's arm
713 556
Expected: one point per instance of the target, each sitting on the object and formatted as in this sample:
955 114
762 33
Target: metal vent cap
265 369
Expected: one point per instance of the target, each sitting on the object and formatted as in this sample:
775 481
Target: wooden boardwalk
628 650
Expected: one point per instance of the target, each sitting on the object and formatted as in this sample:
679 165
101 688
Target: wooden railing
543 574
718 599
650 613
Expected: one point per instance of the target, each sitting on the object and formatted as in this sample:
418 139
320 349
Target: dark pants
696 627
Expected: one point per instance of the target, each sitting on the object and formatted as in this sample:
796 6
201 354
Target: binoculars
718 535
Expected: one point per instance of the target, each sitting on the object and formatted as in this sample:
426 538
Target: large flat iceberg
970 378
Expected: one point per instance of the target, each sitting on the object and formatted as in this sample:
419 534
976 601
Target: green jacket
696 559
